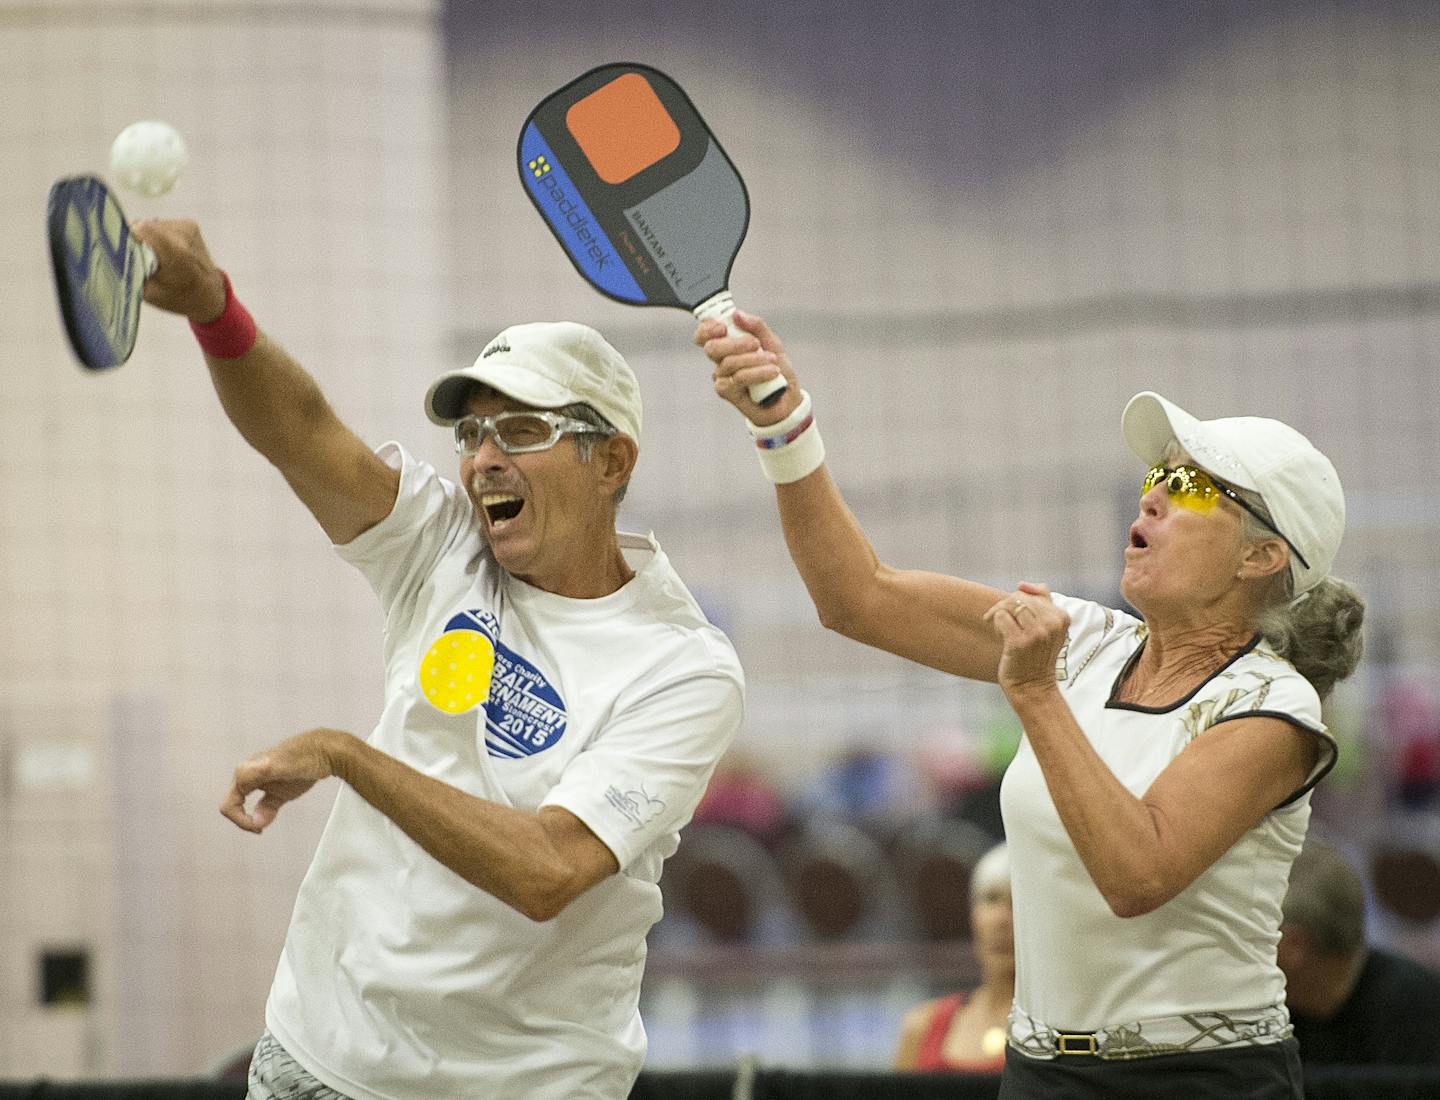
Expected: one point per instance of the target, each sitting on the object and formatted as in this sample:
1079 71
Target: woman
966 1034
1161 790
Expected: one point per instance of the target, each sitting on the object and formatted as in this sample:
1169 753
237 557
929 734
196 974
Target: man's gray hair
1326 898
587 443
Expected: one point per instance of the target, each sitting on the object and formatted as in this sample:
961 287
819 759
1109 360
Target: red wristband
231 334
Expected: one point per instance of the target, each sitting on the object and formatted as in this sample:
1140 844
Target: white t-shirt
400 980
1212 947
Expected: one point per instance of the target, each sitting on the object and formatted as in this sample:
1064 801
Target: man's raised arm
268 396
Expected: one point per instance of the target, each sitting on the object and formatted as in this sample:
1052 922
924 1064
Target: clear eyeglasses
518 433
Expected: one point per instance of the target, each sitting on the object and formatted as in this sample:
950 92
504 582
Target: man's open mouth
501 508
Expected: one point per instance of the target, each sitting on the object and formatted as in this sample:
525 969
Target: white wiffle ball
148 157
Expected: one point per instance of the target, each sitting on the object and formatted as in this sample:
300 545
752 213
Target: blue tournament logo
468 664
524 714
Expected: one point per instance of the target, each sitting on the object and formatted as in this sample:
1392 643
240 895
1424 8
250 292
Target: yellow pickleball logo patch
455 672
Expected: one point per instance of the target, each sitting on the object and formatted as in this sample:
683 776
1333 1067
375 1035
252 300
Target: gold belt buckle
1072 1043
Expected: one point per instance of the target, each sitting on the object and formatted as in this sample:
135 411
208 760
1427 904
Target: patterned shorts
274 1075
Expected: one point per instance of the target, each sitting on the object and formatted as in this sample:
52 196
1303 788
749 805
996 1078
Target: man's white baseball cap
546 364
1297 483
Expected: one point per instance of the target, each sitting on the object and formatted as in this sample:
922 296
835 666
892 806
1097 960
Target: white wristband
791 448
795 460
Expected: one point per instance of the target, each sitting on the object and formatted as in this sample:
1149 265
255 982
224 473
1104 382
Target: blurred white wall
166 608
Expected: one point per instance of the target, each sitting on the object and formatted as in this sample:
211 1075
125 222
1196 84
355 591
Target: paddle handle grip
721 307
148 258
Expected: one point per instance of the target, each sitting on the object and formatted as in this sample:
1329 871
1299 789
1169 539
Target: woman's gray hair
1320 632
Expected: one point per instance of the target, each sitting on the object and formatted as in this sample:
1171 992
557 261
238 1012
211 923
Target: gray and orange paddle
638 192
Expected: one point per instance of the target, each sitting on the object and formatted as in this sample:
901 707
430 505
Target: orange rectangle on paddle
622 128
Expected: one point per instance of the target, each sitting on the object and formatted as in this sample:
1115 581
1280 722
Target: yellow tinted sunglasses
1193 489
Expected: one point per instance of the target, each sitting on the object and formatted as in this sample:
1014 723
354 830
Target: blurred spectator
980 805
1350 1002
1412 722
866 786
967 1033
741 797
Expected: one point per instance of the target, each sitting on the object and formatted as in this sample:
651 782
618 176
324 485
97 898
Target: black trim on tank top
1325 739
1112 704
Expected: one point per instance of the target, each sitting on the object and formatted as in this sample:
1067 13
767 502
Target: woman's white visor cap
1298 484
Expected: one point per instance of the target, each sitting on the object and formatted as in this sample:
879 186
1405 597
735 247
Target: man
1350 1003
473 923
